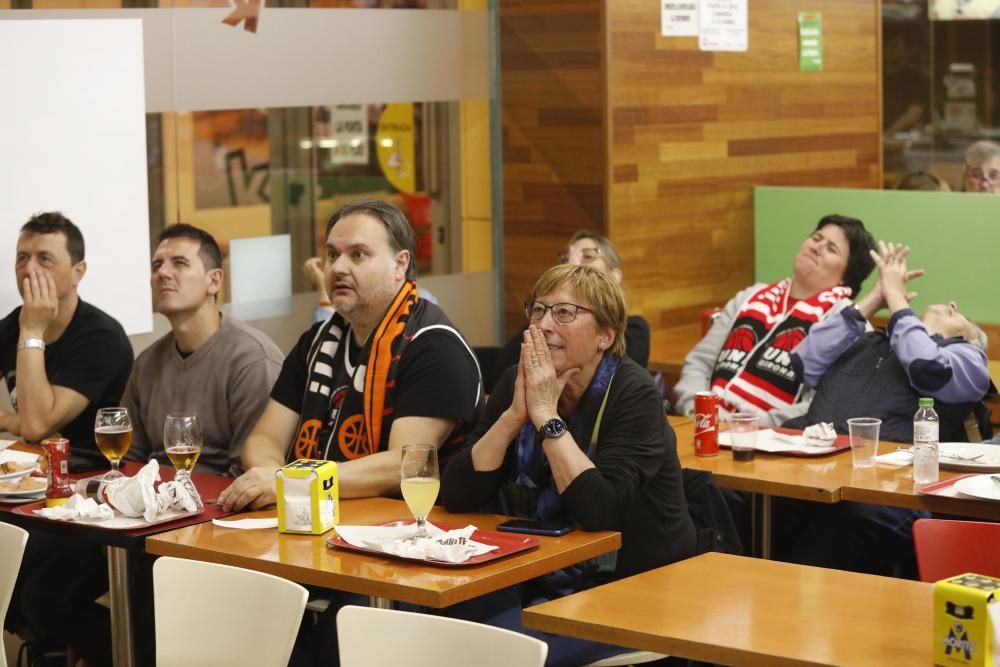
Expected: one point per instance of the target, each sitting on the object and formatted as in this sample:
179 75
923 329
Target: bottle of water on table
925 443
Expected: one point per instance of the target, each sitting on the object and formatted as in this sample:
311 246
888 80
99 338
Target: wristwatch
31 344
553 428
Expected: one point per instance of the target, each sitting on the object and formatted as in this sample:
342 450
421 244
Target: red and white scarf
753 372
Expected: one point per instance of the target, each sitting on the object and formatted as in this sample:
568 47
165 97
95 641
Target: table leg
379 603
121 614
765 526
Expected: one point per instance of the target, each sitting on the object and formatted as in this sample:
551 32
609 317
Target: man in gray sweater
210 364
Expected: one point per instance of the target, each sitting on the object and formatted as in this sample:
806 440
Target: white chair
218 615
369 636
630 658
12 541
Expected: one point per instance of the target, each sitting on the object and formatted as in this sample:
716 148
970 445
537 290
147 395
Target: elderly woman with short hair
576 432
982 168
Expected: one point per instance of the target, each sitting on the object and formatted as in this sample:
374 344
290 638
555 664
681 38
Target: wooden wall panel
552 91
691 133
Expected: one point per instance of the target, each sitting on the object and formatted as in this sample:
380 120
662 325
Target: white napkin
77 507
134 496
247 524
772 441
453 546
900 457
820 435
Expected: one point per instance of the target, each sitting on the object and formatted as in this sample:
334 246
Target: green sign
810 42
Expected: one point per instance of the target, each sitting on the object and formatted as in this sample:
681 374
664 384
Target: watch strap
31 344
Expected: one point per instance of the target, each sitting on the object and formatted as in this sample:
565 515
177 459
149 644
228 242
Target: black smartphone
532 527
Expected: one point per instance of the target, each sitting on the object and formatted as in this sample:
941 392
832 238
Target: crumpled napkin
820 435
135 496
453 546
77 507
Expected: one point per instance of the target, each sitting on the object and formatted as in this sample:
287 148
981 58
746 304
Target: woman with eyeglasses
576 432
745 357
982 168
598 252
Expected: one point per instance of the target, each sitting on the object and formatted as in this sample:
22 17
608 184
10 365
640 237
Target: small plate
989 460
508 543
979 486
19 473
19 500
39 484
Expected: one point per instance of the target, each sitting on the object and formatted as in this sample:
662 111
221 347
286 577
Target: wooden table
746 611
307 559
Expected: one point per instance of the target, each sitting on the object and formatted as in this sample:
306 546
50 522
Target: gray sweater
226 381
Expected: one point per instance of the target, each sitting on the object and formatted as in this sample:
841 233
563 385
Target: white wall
73 139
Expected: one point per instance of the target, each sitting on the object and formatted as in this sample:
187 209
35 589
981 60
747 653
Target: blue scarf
533 472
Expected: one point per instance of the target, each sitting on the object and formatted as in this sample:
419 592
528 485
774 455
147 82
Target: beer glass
420 482
113 434
182 441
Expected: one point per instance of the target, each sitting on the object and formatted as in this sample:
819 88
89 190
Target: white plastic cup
743 435
864 440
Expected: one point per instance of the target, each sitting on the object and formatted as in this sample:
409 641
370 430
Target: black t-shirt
437 377
92 357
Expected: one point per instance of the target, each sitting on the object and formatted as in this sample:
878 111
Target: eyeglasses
977 174
563 313
587 255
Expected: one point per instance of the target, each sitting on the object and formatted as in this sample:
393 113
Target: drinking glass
743 435
113 434
864 440
182 440
420 482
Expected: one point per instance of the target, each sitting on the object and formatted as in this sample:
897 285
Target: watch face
554 428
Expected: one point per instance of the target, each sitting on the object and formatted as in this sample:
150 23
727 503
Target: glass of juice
419 481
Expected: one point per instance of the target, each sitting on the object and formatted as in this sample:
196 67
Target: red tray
508 543
117 523
941 488
841 443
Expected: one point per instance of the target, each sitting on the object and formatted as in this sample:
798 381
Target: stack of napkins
453 546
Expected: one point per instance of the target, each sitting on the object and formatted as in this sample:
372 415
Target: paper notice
723 25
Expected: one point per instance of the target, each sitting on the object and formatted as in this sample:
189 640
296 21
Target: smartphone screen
550 528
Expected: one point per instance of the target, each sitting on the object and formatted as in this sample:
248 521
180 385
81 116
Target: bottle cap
926 402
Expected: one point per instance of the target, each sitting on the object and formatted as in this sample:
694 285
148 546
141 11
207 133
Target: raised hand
542 386
893 275
41 304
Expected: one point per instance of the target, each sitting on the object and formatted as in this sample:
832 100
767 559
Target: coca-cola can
57 460
706 424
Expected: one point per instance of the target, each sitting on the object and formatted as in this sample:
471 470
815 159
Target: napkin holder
963 629
308 497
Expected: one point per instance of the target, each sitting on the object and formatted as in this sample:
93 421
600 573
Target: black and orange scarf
350 415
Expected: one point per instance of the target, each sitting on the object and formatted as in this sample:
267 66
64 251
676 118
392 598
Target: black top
437 378
92 357
636 344
636 487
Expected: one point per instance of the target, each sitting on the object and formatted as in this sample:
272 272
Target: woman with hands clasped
576 432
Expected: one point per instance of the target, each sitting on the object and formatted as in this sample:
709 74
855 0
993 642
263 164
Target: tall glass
113 434
420 482
182 441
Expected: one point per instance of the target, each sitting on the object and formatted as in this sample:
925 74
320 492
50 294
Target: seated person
744 356
982 168
598 252
922 181
874 374
62 358
388 368
210 364
576 432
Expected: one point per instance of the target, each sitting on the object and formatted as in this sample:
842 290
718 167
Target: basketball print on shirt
777 354
738 346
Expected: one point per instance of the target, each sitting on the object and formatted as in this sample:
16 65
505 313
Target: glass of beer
420 482
182 440
113 434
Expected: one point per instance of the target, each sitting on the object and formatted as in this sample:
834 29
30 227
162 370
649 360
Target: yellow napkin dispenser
308 497
963 630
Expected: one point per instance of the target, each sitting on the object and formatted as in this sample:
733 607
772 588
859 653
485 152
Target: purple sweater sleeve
954 373
825 343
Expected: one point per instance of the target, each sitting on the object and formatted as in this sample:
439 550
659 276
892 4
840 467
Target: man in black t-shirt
387 369
61 357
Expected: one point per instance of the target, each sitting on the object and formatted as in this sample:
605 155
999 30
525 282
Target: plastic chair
631 658
946 548
12 541
193 601
423 640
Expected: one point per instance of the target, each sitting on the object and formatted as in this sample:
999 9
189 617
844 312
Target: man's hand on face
41 304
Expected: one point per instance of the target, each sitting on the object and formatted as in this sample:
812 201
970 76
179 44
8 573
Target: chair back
198 604
423 640
946 548
12 541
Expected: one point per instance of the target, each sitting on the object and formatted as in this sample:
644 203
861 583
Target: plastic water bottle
925 443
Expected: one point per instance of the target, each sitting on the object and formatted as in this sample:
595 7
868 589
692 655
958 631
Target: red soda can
57 458
706 424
